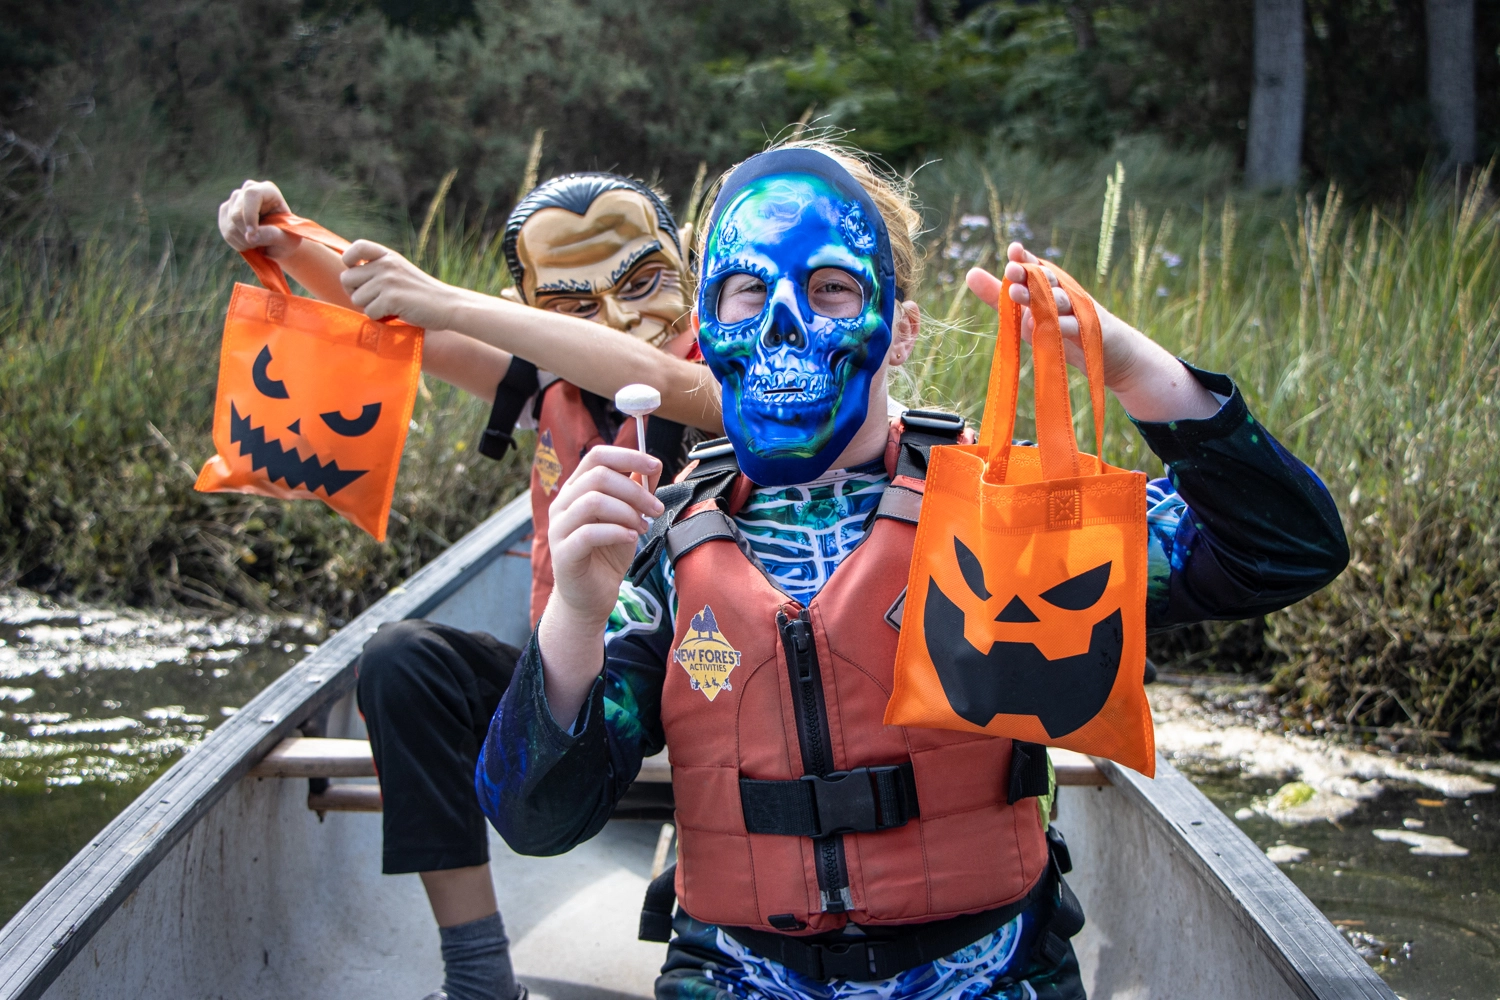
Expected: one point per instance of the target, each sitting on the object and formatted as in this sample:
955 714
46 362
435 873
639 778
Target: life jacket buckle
851 801
934 420
855 961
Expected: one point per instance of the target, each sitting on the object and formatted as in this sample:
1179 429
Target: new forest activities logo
548 468
706 655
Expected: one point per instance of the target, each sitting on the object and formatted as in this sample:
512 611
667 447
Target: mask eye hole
1079 592
834 293
360 425
741 297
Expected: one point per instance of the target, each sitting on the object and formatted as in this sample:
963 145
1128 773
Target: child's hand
1150 383
240 215
596 520
383 283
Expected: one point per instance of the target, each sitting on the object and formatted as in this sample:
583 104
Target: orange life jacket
798 810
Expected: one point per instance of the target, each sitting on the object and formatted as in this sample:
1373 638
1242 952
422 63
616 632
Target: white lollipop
637 400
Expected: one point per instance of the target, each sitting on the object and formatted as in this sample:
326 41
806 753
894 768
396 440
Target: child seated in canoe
767 565
600 259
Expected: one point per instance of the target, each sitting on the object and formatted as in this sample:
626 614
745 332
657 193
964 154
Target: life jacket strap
922 430
656 911
713 478
864 800
519 384
900 504
887 951
1029 775
706 526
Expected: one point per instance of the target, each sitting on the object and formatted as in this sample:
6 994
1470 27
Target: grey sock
476 960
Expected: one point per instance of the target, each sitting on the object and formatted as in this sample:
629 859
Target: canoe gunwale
1312 956
54 926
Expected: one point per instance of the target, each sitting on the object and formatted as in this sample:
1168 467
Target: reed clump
108 363
1368 341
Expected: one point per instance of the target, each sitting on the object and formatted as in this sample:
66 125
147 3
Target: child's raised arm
471 365
590 355
1148 381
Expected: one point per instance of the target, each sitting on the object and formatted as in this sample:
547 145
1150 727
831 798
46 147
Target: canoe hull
216 884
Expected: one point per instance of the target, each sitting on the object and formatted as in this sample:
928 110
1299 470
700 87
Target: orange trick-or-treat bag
314 400
1025 612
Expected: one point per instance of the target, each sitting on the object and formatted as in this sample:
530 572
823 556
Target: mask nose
615 314
784 323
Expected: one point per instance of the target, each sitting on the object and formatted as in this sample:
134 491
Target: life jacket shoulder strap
921 431
711 478
519 384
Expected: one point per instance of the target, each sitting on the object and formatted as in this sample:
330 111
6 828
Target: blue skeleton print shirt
1238 528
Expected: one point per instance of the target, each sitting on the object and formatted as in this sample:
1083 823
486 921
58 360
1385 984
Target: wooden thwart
316 757
346 798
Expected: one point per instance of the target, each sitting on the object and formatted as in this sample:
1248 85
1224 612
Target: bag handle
1054 409
267 270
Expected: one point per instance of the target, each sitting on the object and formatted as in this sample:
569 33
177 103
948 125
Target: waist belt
890 951
863 800
875 958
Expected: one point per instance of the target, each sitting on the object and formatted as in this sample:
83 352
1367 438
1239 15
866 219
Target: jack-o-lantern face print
285 462
314 403
1013 676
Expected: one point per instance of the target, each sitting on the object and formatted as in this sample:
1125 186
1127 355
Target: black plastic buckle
934 420
710 449
844 961
849 802
494 444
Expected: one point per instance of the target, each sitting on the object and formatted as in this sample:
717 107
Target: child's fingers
985 285
250 204
361 252
1018 253
596 508
608 469
578 545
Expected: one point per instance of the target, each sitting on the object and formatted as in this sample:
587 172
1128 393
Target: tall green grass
108 363
1368 342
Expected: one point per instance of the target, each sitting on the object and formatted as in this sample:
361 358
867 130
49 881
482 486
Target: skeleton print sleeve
547 788
1239 527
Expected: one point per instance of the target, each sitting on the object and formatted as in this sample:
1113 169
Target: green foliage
1366 341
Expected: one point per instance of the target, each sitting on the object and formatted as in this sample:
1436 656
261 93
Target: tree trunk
1082 20
1273 155
1450 77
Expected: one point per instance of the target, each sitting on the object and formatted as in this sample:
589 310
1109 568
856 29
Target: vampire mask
795 382
600 247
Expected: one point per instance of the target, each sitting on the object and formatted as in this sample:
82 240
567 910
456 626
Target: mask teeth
791 384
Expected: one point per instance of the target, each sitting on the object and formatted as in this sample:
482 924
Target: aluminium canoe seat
319 758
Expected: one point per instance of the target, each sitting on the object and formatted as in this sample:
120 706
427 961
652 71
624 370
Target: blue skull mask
796 384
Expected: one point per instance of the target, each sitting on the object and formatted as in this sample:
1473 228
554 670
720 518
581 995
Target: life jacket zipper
817 749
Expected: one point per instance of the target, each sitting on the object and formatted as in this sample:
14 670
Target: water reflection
95 703
1401 852
1429 924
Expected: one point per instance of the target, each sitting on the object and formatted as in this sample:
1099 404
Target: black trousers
427 692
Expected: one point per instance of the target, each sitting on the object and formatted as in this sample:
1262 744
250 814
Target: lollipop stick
637 400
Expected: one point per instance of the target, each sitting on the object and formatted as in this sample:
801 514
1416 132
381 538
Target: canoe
234 876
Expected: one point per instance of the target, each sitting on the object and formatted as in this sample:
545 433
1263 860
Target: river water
1402 853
